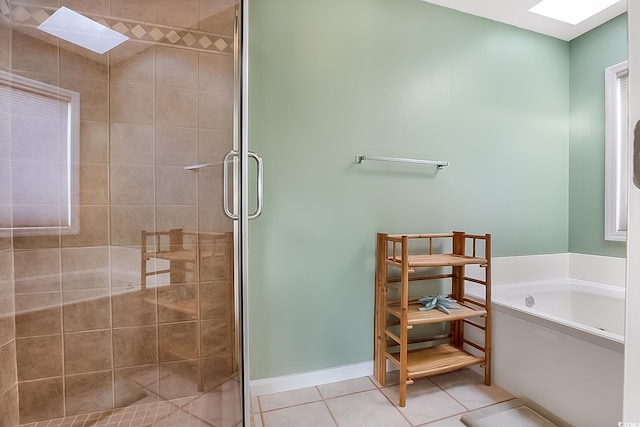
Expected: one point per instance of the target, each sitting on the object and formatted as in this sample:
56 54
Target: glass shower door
123 265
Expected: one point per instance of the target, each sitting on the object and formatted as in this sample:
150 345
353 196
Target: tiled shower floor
215 409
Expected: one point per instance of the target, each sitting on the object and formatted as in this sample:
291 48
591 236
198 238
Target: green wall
590 54
332 79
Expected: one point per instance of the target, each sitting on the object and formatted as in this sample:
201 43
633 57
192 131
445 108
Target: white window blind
623 150
38 156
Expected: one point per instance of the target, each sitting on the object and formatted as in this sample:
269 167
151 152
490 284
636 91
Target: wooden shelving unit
394 317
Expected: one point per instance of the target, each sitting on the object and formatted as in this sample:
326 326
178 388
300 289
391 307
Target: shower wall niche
82 329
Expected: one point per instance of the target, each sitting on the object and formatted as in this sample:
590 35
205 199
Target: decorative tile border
32 16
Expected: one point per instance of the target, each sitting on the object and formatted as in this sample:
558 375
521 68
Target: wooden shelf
435 360
397 312
417 317
437 260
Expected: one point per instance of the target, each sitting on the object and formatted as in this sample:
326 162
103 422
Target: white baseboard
309 379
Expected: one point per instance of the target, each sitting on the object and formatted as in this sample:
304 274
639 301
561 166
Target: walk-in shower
118 267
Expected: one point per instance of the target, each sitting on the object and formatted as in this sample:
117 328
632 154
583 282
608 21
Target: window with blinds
616 150
38 156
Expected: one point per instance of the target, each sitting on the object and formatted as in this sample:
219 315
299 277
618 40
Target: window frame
72 99
616 153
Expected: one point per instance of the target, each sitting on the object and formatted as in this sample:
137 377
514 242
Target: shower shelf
430 354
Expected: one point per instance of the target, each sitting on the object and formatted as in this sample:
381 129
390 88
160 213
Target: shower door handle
260 185
231 156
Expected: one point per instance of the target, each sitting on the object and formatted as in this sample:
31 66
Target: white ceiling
516 12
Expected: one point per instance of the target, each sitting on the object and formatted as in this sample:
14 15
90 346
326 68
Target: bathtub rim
586 333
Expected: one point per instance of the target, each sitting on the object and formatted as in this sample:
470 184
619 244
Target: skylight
571 11
82 31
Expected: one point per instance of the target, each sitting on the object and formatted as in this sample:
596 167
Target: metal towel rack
438 163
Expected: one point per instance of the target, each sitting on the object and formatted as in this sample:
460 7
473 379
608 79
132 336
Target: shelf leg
380 339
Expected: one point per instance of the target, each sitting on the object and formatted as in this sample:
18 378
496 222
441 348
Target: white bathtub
566 352
590 311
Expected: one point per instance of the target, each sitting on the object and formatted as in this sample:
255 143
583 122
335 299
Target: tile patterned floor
437 401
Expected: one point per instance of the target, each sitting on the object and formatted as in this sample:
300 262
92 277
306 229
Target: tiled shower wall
88 336
8 374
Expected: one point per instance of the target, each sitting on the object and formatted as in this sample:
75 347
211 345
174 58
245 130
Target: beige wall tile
176 106
134 308
38 314
6 274
83 314
216 371
6 242
215 72
41 400
133 62
178 379
87 351
7 321
127 223
99 7
48 78
39 357
37 270
79 295
94 96
177 303
50 3
217 16
132 102
210 186
85 268
5 45
88 392
125 267
178 341
82 63
216 300
33 54
135 346
171 217
211 219
36 242
82 259
216 261
182 14
94 184
86 280
136 385
8 374
94 228
217 337
94 141
176 145
9 416
140 10
5 208
176 67
215 110
176 186
132 143
5 212
132 184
